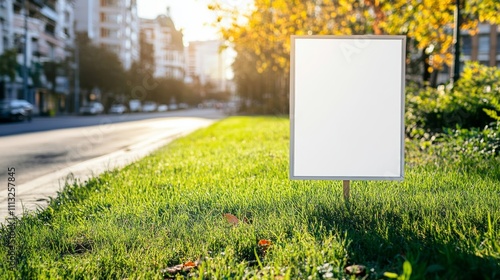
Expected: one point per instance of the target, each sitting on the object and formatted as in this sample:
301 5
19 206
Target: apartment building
113 24
168 46
6 27
42 32
483 46
208 63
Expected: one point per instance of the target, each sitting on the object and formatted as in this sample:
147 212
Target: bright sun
192 16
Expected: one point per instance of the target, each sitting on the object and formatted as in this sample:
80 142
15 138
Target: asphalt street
47 152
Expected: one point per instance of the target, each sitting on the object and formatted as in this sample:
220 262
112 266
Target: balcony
49 12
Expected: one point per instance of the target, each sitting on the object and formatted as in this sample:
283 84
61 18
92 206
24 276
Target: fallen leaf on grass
264 243
232 219
180 268
356 270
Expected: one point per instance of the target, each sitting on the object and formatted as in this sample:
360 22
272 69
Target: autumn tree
261 36
429 26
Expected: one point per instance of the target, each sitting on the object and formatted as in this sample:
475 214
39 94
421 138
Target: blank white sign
347 107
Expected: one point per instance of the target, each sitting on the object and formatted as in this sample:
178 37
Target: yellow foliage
266 29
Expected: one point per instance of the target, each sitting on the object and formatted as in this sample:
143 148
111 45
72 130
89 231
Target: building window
112 18
67 17
104 32
498 44
52 51
466 44
105 3
50 28
109 33
484 44
51 4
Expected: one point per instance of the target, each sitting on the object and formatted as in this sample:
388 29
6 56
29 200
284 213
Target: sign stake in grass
347 108
347 189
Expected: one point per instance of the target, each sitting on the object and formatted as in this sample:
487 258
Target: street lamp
456 43
77 77
25 53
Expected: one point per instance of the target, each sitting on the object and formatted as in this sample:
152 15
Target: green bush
469 144
473 148
467 104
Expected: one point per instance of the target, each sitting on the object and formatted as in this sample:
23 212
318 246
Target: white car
93 108
134 105
149 106
162 108
118 109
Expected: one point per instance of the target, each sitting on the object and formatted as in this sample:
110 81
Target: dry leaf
264 243
181 268
232 219
190 264
356 270
173 270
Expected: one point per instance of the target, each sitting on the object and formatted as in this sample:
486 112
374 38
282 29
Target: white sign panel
347 107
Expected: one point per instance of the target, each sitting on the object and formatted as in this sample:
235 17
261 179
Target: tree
99 67
143 69
261 37
168 91
8 66
429 24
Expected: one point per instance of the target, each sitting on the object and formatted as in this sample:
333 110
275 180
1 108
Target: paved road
70 121
42 160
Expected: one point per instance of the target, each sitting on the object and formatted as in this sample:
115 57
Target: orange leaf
232 219
264 243
189 264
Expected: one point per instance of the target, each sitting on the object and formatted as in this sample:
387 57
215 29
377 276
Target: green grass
169 208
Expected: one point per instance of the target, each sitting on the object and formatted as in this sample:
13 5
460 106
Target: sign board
347 107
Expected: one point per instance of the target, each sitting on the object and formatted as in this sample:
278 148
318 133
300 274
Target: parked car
16 110
134 105
173 107
149 106
92 108
162 108
118 109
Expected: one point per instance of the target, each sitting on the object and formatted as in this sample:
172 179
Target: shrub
473 148
469 103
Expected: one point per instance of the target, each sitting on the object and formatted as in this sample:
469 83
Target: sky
192 16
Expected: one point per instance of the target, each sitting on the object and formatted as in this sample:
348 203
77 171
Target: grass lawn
169 209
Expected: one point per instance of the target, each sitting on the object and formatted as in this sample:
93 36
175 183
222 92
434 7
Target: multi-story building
6 25
113 24
42 33
208 63
483 46
168 46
